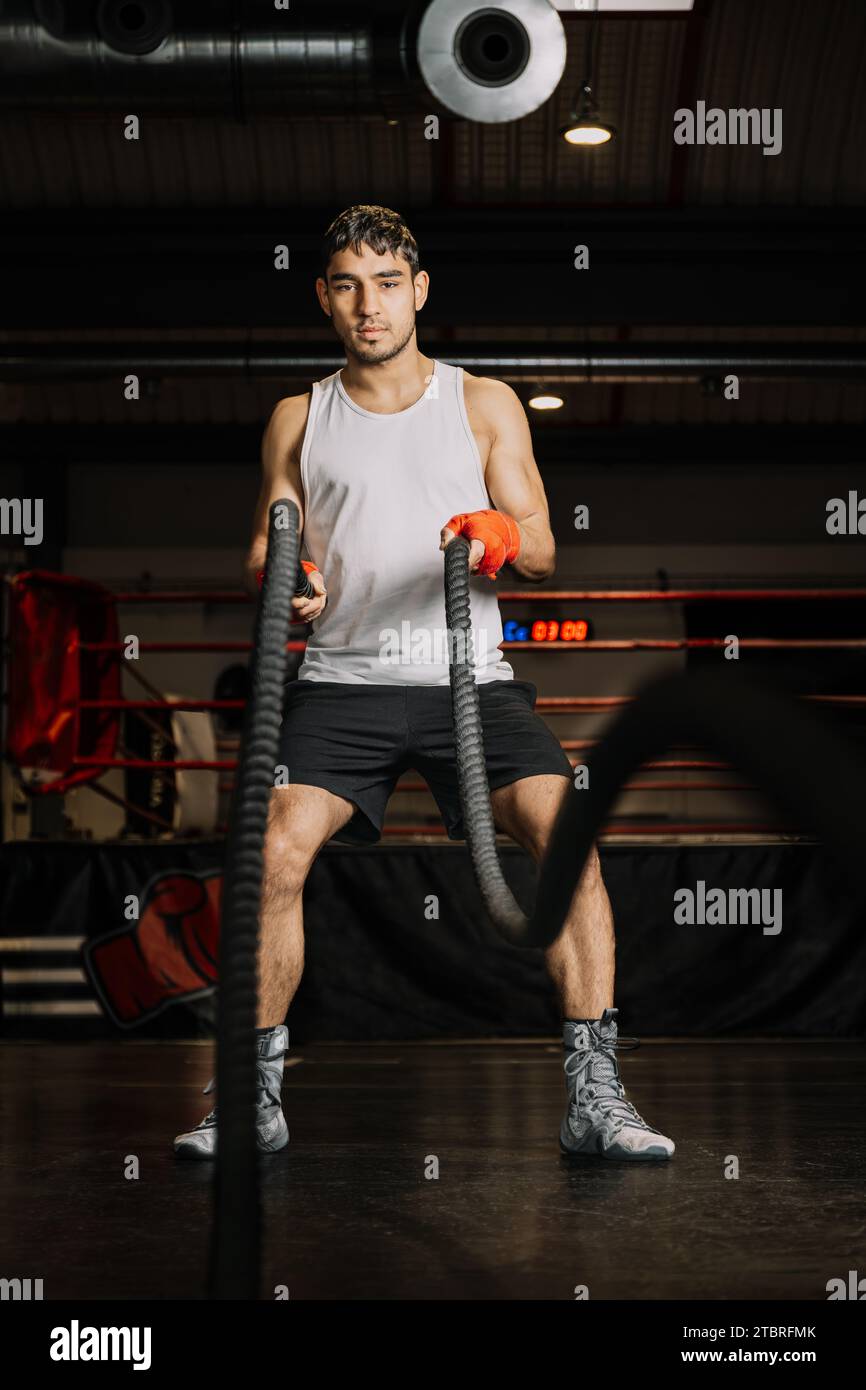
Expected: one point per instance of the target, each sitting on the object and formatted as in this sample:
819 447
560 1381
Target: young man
387 460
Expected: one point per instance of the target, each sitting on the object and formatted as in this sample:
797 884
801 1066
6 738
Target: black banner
121 939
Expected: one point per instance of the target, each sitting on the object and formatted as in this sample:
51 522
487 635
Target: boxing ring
73 737
769 731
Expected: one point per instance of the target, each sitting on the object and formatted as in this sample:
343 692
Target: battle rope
800 761
778 741
235 1238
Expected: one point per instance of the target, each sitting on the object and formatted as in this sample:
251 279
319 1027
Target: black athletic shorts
356 740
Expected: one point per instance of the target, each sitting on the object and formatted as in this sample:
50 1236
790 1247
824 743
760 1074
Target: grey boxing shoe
272 1132
598 1118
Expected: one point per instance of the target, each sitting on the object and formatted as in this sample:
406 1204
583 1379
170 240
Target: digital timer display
547 630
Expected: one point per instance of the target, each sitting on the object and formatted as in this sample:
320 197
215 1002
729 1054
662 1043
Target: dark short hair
379 228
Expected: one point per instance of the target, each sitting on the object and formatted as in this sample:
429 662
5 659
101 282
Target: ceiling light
585 128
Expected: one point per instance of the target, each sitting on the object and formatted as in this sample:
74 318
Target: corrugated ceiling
805 57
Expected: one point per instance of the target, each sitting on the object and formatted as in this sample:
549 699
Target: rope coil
235 1244
790 753
767 735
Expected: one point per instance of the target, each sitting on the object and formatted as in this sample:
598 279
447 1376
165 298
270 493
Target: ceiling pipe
490 62
596 362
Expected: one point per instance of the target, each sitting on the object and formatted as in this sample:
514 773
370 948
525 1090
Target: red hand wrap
308 568
499 533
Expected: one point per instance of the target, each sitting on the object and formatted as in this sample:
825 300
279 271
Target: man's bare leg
301 820
581 960
599 1120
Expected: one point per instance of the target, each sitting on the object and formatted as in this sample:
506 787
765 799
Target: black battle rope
234 1252
799 760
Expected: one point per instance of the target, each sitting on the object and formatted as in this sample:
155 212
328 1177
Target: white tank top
377 491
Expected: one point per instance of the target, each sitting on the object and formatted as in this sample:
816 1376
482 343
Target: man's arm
512 476
281 477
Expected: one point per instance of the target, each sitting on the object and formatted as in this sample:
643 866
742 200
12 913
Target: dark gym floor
349 1213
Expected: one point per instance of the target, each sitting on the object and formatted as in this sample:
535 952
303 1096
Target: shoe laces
264 1079
596 1078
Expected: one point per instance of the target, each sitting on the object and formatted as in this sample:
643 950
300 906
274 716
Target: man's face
372 302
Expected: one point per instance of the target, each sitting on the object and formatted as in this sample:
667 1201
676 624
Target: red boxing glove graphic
170 953
497 531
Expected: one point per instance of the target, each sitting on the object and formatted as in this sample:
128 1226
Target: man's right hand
306 609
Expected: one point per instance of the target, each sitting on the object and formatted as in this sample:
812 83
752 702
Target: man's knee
291 844
288 860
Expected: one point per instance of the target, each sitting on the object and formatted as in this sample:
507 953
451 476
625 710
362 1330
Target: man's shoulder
492 403
291 409
289 419
488 392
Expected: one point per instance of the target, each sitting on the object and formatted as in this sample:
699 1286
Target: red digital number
571 630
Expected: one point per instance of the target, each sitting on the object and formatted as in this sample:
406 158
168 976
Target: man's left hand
494 539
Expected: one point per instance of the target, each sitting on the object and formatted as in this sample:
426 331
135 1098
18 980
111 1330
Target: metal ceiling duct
491 62
380 58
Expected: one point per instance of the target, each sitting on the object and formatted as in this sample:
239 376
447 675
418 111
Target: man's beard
374 354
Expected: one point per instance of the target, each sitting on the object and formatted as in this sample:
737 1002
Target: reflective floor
432 1171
